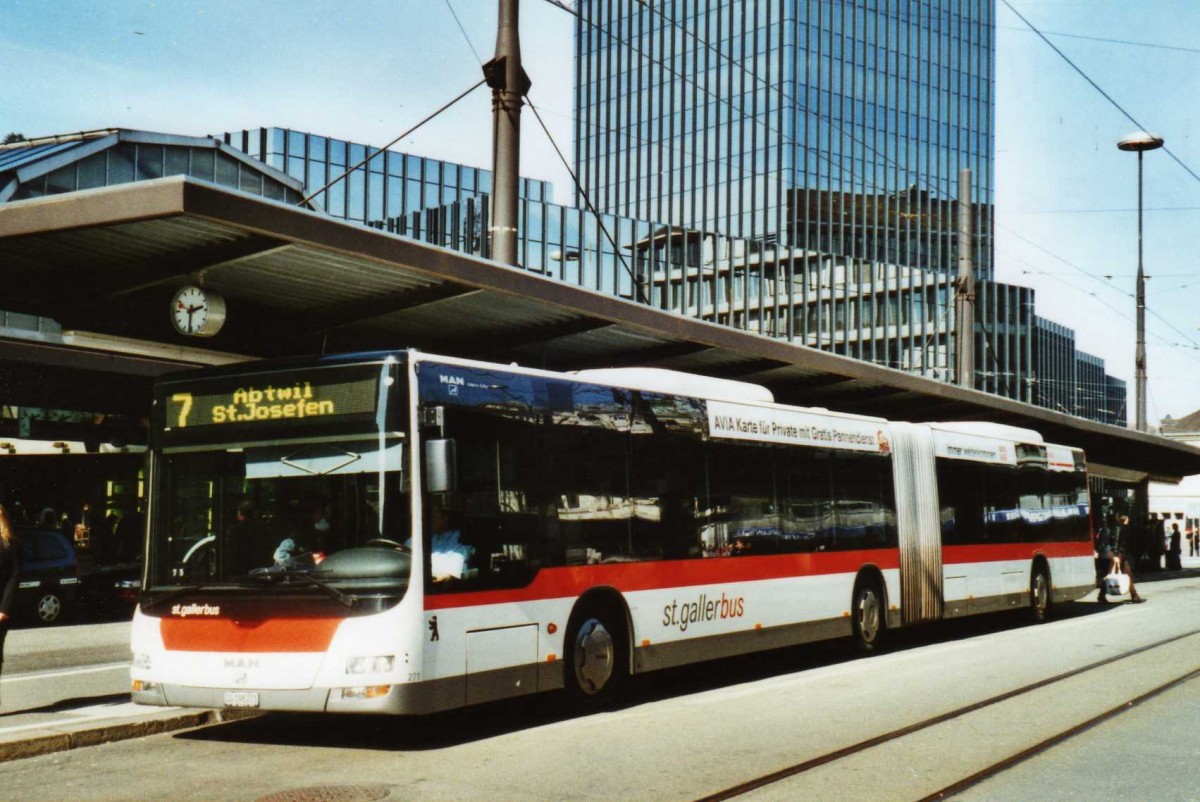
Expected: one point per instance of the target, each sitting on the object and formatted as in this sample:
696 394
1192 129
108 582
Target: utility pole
509 84
964 288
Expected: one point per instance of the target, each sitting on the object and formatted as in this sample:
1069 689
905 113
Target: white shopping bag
1116 584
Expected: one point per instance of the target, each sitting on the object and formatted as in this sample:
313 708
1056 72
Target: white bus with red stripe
406 533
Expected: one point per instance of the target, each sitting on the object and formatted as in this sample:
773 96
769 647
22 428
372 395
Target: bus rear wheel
867 614
1039 594
597 664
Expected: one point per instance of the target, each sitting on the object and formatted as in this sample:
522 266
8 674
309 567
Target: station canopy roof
105 262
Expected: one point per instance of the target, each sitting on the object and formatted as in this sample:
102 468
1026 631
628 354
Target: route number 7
185 401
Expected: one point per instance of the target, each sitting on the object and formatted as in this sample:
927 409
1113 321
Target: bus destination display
321 397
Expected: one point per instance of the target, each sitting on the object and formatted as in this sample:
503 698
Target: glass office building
384 189
837 127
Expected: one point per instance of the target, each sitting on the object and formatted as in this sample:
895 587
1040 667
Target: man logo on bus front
433 633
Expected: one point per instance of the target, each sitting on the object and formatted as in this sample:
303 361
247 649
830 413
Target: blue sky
366 70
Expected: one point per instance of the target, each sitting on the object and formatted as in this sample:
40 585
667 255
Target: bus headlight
370 665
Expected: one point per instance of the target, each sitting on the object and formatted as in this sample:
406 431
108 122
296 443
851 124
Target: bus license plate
241 699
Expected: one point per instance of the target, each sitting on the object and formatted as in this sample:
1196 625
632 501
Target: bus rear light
366 691
550 658
551 628
381 664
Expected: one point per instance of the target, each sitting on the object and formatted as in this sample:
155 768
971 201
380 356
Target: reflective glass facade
1072 381
838 127
390 191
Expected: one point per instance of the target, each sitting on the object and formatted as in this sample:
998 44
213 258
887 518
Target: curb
120 731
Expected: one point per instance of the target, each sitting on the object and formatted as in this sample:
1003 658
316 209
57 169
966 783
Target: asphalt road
693 732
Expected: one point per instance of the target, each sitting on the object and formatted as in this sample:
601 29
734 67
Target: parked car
112 591
48 581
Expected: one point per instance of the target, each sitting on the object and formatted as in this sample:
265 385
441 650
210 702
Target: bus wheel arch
597 649
868 609
1041 594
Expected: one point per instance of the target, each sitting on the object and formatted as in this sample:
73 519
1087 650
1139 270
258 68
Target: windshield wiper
287 576
186 589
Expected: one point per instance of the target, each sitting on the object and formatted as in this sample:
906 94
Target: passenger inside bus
448 556
245 537
309 535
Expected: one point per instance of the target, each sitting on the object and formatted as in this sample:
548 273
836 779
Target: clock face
197 312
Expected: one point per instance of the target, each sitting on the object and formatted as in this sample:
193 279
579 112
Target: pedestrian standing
1175 552
8 577
1113 549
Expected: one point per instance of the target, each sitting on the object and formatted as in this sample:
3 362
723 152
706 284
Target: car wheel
49 608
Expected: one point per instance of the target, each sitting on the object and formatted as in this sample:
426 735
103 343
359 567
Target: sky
369 70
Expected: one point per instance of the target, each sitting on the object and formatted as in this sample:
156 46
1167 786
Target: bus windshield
234 516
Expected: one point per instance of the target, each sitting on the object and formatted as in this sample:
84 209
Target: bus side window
960 488
742 484
586 457
491 539
805 498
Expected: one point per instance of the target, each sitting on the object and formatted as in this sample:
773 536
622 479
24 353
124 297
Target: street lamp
1141 142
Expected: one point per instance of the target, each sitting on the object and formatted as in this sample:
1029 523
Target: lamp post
1140 141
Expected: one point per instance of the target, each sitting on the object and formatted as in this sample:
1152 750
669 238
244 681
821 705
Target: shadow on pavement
457 727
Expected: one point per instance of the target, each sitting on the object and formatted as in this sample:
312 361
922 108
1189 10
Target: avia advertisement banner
790 427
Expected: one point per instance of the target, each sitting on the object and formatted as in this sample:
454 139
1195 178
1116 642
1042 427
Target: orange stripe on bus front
225 635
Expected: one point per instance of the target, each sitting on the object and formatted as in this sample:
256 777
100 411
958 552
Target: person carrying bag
1118 581
8 577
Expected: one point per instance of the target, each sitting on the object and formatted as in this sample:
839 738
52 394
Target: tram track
829 758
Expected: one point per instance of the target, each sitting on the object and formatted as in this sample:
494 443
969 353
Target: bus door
919 523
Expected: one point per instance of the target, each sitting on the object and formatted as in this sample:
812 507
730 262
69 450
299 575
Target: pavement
40 732
92 721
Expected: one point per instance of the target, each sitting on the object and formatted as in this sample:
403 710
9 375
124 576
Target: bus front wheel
867 613
597 663
1039 594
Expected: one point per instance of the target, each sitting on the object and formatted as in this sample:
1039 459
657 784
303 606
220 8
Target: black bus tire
596 664
868 614
1039 593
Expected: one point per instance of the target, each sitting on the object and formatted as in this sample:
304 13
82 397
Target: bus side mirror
441 466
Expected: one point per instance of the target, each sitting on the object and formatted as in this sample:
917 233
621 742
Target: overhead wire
639 292
458 22
1107 40
1097 86
378 151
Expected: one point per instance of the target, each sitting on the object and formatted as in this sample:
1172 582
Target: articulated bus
406 533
